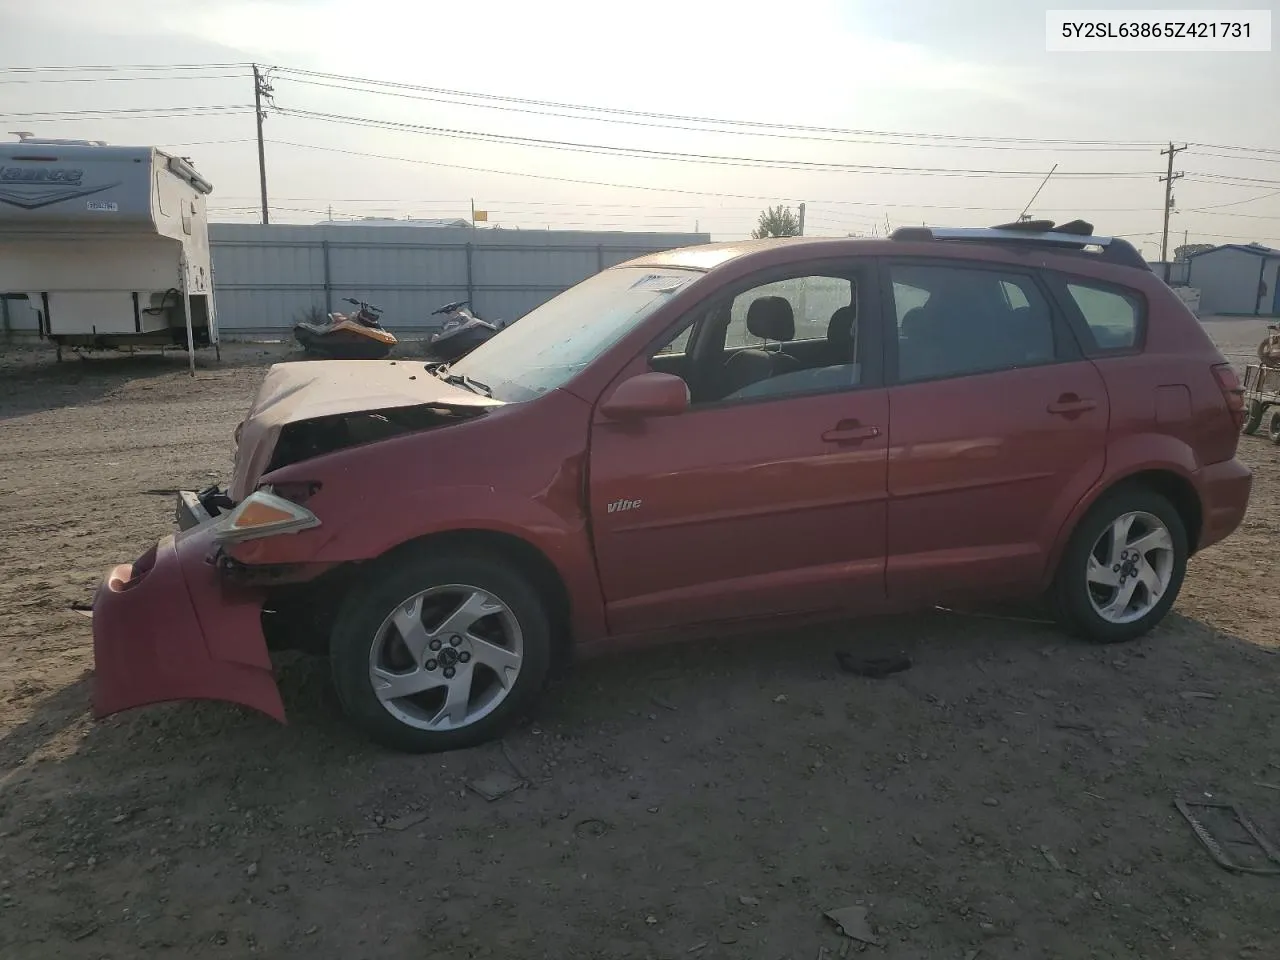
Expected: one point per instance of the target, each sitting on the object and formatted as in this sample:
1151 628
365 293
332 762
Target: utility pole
261 88
802 219
1167 180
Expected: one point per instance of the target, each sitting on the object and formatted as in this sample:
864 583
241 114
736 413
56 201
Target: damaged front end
186 620
172 626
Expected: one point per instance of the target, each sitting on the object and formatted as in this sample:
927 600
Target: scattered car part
1252 837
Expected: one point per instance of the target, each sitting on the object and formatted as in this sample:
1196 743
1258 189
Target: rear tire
1122 568
1253 420
440 651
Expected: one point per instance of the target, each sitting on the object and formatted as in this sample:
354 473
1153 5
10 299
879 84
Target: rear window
1113 317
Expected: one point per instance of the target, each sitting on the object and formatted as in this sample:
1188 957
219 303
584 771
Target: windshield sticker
662 283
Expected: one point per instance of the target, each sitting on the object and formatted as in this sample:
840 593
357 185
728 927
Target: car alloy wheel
446 657
1130 567
440 647
1123 566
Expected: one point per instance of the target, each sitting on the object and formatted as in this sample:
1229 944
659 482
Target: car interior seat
842 335
769 318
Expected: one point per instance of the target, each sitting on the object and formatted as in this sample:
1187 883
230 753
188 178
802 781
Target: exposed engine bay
307 439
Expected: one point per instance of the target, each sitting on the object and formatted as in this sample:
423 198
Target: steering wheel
450 307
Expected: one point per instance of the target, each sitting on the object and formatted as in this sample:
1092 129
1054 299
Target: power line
772 197
686 157
868 140
384 85
142 79
618 111
1230 180
142 113
119 68
1235 202
647 206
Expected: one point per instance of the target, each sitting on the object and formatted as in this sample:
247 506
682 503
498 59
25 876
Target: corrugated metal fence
267 277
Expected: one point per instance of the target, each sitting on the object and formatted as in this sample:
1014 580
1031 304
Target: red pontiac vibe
722 434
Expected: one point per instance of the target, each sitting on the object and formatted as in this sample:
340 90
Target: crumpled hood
293 392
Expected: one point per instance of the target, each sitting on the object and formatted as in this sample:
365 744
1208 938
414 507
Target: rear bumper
168 627
1224 497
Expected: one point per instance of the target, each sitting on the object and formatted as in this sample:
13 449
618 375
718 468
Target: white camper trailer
109 244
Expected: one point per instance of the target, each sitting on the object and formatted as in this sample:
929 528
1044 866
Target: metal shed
1240 279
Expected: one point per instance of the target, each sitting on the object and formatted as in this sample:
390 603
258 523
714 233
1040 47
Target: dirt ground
1009 796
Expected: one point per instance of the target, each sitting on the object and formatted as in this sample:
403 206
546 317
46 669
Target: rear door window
955 321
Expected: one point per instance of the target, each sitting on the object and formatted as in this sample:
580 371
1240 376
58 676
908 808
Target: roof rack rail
1072 237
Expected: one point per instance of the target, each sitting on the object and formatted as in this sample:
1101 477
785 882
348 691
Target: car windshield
549 345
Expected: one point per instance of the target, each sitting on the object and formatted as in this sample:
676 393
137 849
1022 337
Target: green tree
777 221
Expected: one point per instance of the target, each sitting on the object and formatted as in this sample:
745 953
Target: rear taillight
1232 392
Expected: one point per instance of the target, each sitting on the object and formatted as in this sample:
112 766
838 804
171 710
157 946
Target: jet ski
461 333
340 336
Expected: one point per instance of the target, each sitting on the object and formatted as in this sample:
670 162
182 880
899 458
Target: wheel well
1178 491
530 560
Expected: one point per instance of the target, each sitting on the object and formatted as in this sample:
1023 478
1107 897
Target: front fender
362 529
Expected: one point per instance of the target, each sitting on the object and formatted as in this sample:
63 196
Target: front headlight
263 514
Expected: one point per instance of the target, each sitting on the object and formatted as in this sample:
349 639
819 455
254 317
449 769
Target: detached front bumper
169 627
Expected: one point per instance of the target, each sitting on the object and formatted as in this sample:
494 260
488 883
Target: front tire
435 652
1123 567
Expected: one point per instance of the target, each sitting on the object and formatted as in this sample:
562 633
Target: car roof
708 256
1074 251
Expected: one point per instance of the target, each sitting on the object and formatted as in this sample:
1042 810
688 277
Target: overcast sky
976 68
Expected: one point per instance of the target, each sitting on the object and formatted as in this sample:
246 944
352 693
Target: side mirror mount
647 395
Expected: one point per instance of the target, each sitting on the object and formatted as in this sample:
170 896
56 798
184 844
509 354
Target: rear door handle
850 433
1069 403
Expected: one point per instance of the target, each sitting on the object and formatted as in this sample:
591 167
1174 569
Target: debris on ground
406 821
516 766
495 785
874 667
1050 858
852 922
1198 695
1236 830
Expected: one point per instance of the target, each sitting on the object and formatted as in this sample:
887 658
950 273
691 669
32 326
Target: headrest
913 323
771 318
840 326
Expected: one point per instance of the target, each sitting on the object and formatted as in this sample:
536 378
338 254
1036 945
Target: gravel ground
1009 796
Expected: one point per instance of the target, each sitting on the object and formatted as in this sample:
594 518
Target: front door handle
1069 404
850 433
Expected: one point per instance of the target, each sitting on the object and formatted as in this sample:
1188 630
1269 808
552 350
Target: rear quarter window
1113 316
